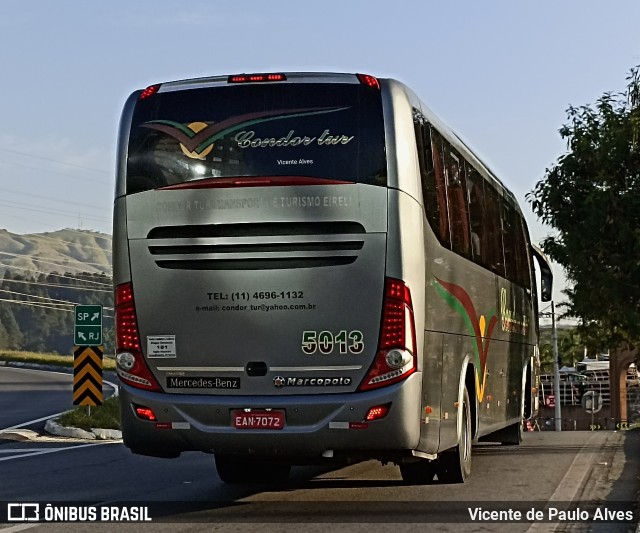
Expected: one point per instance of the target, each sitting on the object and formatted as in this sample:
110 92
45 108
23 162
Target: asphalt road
548 469
27 395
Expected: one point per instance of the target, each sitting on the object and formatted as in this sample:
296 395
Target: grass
49 359
105 416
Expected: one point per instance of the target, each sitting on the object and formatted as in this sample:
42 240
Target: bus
311 267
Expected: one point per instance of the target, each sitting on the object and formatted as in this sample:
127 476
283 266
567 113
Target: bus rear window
317 130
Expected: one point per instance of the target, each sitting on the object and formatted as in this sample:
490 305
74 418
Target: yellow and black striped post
87 375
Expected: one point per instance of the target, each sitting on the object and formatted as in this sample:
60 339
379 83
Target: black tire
240 469
419 472
511 435
454 466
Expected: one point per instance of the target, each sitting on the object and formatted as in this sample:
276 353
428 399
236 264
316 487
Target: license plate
257 419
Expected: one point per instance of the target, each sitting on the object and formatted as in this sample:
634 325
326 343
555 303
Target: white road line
112 385
23 424
573 479
38 370
570 484
55 450
14 450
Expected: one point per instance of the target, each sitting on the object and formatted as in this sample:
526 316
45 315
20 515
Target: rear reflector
378 412
256 78
145 413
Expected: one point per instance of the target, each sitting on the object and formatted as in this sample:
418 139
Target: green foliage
43 358
105 416
570 348
36 313
590 196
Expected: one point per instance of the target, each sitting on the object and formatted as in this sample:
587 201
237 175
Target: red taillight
378 412
397 317
127 339
255 78
149 91
370 81
396 355
145 413
131 367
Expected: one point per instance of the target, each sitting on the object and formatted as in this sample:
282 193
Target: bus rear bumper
315 425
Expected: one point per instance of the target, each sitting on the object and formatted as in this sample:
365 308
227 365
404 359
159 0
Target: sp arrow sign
87 329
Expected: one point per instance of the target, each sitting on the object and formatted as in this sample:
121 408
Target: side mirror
546 276
546 289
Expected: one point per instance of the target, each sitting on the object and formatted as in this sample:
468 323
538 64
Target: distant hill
42 276
66 250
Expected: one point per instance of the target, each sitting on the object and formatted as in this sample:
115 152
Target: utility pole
556 369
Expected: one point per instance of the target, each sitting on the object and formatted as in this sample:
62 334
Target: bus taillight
371 81
131 367
149 91
396 355
256 78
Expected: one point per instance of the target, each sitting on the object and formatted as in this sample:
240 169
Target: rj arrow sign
87 330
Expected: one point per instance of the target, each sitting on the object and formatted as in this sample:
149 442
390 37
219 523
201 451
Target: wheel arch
468 380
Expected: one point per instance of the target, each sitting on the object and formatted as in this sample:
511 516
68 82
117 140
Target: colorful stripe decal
460 301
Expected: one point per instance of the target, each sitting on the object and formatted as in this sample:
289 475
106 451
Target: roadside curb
19 435
54 428
38 366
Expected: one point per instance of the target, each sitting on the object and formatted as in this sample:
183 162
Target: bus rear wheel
419 472
512 435
241 469
454 466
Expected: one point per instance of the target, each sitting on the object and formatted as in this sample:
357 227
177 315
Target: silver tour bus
312 267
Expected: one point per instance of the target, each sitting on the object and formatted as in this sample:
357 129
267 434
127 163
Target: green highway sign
87 329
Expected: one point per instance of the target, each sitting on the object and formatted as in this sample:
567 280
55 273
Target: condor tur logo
198 138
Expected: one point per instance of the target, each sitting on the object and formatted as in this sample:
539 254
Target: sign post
592 402
87 356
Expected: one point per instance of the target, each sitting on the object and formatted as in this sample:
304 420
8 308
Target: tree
570 348
591 197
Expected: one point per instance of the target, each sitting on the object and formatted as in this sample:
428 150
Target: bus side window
477 212
495 255
509 232
457 203
432 180
436 186
515 247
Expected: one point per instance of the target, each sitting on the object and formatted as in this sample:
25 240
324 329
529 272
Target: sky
500 73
